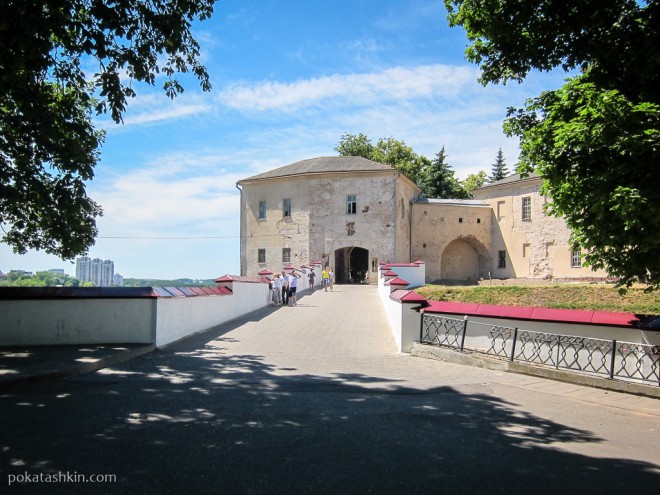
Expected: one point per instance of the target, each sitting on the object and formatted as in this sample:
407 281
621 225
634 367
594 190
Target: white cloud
398 83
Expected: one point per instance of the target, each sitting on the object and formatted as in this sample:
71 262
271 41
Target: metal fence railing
611 358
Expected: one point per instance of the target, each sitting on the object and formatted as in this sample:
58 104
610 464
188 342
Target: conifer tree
438 179
499 170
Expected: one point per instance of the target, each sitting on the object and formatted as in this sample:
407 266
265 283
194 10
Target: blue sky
289 78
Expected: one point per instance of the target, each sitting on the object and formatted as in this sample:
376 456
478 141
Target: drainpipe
241 233
410 236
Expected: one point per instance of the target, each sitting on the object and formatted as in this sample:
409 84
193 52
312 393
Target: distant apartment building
118 280
99 272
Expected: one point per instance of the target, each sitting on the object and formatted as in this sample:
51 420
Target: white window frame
576 258
351 204
527 208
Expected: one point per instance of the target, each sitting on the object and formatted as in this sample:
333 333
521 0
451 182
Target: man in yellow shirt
325 278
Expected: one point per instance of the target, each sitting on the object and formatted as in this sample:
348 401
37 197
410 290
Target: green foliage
435 178
499 169
389 151
181 282
48 145
39 279
474 181
595 142
599 173
438 181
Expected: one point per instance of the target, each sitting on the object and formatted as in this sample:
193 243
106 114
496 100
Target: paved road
314 399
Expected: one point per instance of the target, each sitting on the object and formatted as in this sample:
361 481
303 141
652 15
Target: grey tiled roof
510 179
459 202
325 164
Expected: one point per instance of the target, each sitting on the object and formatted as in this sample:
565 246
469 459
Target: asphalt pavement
315 399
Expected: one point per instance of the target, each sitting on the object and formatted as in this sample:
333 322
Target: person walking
325 278
331 279
293 285
312 277
285 288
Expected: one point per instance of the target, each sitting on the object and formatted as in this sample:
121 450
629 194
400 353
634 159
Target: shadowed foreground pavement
313 399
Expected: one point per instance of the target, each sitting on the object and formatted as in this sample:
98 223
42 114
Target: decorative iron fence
611 358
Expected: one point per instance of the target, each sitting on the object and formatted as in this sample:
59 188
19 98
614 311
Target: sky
289 77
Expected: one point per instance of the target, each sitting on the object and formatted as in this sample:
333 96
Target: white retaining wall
77 321
139 320
179 317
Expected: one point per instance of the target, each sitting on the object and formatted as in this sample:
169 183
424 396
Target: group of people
285 285
284 288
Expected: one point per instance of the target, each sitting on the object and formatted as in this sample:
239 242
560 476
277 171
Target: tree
474 181
438 179
388 151
596 141
48 145
499 169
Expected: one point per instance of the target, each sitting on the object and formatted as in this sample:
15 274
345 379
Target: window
351 205
576 258
286 255
527 208
262 210
261 256
460 220
501 259
500 210
286 207
350 228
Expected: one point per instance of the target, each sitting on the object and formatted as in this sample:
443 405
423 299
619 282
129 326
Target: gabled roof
323 165
510 180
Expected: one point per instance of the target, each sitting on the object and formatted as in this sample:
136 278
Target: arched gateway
463 259
351 265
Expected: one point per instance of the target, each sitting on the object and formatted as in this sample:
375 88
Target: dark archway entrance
351 265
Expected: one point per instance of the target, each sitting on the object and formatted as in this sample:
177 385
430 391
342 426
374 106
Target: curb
478 360
57 373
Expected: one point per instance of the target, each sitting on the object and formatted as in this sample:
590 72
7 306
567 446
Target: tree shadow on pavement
196 419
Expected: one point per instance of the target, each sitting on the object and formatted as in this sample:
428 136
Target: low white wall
77 321
179 317
403 319
414 275
137 320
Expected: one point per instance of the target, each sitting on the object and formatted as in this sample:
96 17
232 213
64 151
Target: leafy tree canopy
435 178
595 141
48 145
474 181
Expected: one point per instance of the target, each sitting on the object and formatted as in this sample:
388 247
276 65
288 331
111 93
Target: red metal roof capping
533 313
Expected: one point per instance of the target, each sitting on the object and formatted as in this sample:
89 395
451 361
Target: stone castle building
352 213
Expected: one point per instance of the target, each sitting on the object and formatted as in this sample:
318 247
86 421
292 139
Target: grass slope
570 296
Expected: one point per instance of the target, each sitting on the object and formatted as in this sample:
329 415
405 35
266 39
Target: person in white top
284 280
293 285
277 289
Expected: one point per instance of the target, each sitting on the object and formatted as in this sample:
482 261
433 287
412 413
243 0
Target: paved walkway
314 399
344 336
